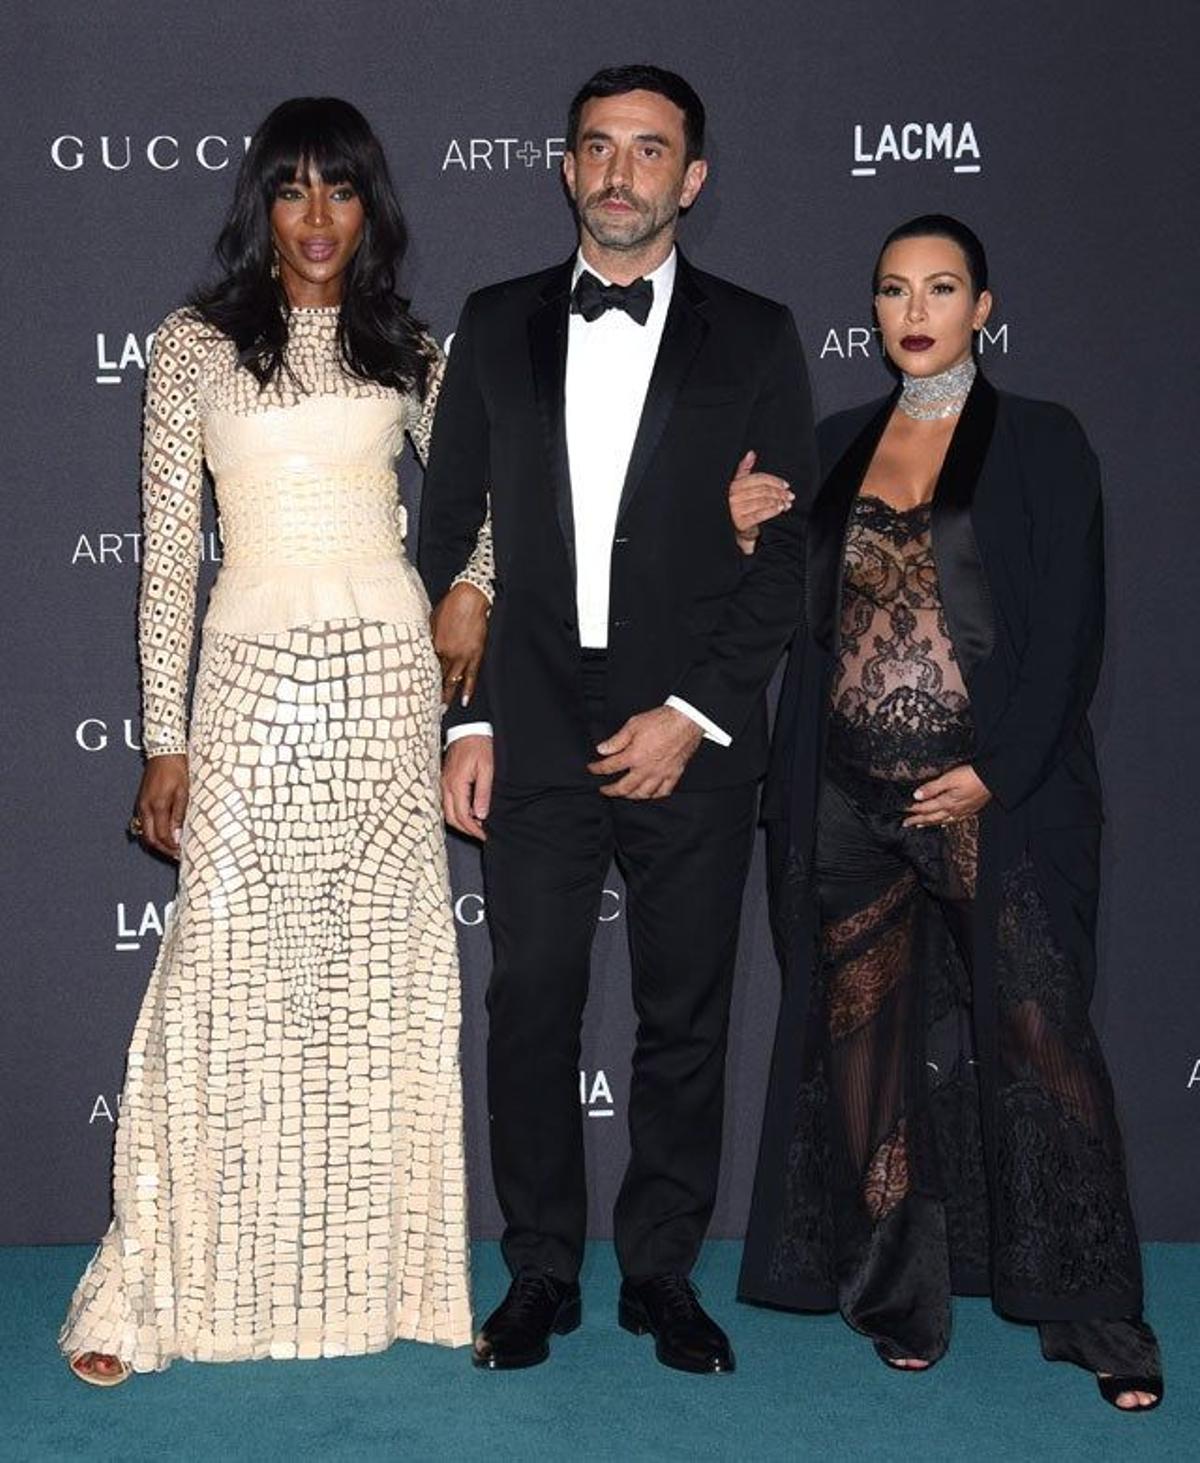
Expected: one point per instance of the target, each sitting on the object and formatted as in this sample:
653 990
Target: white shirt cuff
469 729
712 732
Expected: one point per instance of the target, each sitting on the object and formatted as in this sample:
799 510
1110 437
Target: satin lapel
827 527
966 599
683 331
548 354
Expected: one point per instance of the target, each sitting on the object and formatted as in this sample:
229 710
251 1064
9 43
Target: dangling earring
275 264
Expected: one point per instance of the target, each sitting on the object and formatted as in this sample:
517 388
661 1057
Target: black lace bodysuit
899 712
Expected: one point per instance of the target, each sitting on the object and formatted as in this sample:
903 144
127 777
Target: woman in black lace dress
940 1118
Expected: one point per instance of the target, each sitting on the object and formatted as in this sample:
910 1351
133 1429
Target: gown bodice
308 484
312 527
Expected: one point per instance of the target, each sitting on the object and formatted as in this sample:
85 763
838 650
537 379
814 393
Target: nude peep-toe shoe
100 1379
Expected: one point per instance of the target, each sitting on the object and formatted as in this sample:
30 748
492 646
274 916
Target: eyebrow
937 274
596 134
315 180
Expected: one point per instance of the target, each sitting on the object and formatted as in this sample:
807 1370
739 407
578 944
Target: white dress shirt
609 364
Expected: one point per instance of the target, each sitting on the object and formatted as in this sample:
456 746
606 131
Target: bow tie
590 298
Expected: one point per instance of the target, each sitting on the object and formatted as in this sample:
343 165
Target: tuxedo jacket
689 614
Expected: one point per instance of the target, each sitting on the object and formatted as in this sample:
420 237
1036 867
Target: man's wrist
468 729
686 723
710 730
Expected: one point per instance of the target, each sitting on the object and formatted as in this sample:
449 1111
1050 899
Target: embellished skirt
289 1171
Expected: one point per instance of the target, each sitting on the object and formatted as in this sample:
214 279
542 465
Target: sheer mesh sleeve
422 429
480 568
172 459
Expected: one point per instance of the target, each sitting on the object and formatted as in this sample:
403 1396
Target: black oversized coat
1018 545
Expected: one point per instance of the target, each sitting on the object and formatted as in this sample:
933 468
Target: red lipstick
917 342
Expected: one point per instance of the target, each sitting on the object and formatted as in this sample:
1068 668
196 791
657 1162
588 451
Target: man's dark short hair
615 81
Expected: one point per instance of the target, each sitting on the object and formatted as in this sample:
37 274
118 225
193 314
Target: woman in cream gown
289 1172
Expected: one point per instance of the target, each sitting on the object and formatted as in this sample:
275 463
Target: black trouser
684 860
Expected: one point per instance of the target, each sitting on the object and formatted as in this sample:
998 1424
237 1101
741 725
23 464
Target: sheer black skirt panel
890 1198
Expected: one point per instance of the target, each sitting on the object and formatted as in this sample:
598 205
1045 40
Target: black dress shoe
685 1336
517 1333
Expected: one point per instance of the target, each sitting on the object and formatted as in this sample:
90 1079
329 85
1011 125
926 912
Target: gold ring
135 826
454 680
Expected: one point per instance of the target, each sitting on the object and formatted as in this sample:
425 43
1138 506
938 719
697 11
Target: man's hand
957 794
754 499
467 784
651 749
459 626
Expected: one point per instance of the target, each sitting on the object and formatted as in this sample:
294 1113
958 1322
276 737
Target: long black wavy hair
378 337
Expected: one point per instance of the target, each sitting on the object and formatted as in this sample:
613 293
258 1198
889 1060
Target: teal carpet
806 1387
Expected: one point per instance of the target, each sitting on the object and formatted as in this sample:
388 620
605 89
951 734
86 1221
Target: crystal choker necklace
926 398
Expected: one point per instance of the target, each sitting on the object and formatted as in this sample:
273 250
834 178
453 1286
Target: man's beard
630 232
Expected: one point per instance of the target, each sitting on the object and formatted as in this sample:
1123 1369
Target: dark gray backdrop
1059 132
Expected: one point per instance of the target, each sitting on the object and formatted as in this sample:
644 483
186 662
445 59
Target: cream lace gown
288 1176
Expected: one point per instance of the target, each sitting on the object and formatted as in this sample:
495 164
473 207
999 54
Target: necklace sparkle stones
928 398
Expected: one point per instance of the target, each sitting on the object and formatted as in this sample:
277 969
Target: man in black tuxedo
605 404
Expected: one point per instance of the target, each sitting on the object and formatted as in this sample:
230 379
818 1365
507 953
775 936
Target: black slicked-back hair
378 337
941 226
615 81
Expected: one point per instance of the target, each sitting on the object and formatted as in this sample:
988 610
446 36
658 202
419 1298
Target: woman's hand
954 795
459 627
162 802
754 498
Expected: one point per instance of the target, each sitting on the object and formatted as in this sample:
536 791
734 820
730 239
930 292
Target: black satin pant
895 1035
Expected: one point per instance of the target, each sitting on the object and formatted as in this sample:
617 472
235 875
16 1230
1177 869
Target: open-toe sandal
100 1379
894 1362
1112 1387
